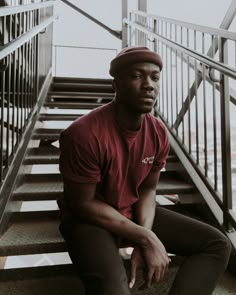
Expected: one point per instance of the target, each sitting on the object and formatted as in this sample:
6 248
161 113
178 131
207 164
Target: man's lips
147 98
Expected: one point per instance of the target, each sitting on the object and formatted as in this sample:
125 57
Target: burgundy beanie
132 55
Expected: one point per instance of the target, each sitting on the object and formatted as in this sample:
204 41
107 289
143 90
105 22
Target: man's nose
148 84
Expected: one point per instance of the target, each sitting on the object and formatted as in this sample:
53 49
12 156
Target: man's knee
221 247
113 283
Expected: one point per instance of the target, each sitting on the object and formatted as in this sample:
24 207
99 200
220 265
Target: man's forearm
105 216
145 208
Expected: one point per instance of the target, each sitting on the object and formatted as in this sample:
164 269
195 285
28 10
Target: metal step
62 279
42 155
82 87
80 105
46 134
66 95
46 280
50 155
81 80
66 104
38 187
32 233
58 117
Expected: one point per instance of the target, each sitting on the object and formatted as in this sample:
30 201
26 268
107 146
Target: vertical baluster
225 135
22 80
13 86
18 94
31 65
214 123
167 76
196 99
189 98
176 79
171 79
28 68
3 80
8 96
182 83
204 110
162 54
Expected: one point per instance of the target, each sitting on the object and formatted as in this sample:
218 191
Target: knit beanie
132 55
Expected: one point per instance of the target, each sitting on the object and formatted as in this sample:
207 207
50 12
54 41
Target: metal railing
25 63
197 99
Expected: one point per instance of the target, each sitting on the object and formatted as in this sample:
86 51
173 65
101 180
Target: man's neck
127 119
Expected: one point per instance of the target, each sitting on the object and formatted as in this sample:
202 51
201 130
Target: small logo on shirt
148 160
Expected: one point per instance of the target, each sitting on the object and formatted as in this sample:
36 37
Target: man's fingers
150 275
132 275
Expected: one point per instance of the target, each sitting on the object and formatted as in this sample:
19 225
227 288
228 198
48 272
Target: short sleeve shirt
95 149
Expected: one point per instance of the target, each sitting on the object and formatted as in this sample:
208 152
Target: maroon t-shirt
95 149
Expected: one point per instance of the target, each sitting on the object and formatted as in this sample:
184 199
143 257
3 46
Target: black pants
94 252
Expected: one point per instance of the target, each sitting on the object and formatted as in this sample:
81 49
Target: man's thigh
181 234
94 252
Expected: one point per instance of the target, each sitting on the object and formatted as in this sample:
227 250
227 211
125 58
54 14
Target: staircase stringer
16 171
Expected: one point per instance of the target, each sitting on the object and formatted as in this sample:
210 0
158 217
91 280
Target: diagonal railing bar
9 10
117 34
12 46
227 21
231 72
205 134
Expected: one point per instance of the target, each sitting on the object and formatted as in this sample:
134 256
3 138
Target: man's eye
156 78
135 76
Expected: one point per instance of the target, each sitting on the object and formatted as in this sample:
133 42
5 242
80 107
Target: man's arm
146 205
84 204
155 256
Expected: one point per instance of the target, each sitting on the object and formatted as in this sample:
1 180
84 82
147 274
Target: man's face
137 87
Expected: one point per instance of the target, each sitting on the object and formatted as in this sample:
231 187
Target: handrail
113 32
203 58
12 46
25 73
186 108
204 29
8 10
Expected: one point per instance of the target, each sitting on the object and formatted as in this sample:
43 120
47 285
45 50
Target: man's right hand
154 260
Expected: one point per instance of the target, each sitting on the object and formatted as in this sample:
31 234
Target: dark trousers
94 252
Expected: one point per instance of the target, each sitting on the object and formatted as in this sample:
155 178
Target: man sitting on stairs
110 162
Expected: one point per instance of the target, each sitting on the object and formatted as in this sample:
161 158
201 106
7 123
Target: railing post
124 26
225 135
37 56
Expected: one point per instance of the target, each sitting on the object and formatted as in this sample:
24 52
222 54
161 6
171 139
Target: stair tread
42 155
85 105
31 235
59 117
57 279
84 80
78 94
50 186
81 84
51 155
67 105
63 278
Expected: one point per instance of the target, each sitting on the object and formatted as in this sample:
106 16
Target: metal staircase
35 108
35 231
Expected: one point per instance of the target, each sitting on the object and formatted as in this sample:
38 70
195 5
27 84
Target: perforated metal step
32 233
42 155
46 280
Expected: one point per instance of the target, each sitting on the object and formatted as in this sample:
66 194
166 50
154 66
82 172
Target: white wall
75 35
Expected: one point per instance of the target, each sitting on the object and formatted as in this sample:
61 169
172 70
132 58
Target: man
110 162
